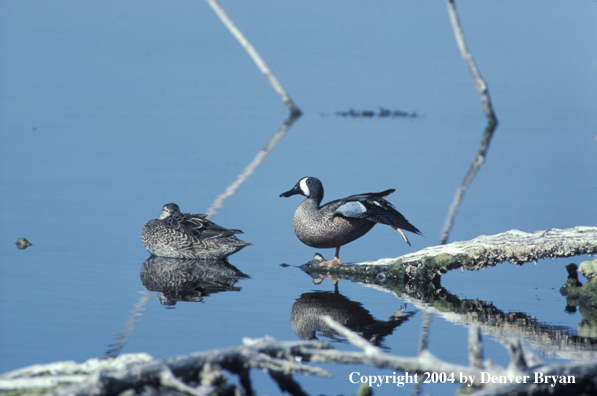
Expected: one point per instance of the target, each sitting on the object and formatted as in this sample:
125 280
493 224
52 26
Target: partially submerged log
512 246
414 278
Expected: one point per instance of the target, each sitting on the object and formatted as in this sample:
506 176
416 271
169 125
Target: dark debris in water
382 112
23 243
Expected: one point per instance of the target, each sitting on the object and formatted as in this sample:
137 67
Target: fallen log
512 246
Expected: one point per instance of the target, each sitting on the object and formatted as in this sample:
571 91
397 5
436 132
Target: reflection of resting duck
188 280
184 235
341 221
305 317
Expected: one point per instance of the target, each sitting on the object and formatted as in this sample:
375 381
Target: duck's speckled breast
161 241
319 228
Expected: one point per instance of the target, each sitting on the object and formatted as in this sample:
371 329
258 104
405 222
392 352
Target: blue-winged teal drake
184 235
341 221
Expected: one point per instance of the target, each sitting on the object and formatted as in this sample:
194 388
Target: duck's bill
295 190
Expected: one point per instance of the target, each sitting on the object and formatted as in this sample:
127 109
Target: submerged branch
254 55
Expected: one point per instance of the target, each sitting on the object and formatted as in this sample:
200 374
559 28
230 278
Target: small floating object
23 243
383 112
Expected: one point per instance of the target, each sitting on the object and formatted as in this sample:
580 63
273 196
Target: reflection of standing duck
341 221
188 280
305 317
184 235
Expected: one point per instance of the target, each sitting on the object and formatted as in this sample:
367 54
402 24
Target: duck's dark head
168 210
310 187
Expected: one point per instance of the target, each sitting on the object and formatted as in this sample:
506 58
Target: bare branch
352 337
254 55
479 82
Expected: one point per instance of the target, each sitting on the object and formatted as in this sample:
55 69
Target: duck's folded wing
202 229
215 231
355 205
378 195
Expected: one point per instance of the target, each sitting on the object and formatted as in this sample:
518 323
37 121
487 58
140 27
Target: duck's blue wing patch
352 209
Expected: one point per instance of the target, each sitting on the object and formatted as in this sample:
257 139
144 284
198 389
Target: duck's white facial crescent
304 187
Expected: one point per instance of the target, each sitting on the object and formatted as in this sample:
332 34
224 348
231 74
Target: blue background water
108 110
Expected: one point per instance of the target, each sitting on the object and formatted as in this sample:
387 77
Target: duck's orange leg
398 313
333 262
401 233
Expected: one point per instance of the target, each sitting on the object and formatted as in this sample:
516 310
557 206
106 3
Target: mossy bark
428 264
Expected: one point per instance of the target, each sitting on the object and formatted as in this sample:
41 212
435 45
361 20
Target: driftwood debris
522 363
195 374
513 246
201 373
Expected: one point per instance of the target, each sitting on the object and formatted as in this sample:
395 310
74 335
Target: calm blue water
110 110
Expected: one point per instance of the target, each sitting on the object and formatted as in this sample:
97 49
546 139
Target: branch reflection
122 337
231 189
477 162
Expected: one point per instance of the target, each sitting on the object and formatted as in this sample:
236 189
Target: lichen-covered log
486 250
